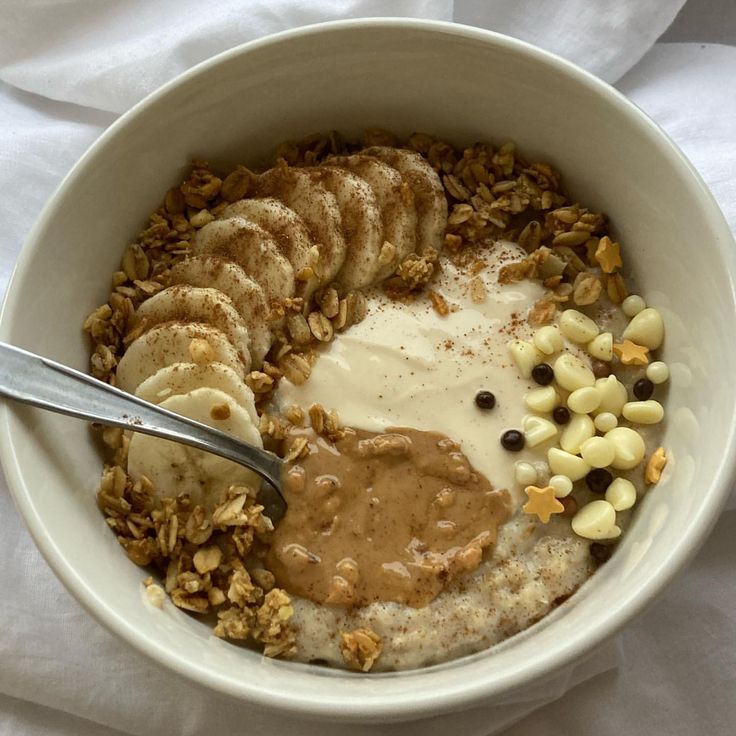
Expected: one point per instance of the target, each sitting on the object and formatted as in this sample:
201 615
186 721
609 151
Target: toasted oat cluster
202 556
254 272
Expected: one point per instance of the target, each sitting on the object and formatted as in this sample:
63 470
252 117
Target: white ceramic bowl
459 83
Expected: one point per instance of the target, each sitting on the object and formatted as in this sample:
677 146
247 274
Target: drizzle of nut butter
394 516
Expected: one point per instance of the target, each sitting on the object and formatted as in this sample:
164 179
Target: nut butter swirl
383 517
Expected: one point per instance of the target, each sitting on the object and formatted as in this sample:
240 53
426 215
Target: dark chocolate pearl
598 480
601 369
543 374
570 506
512 440
561 415
601 552
643 389
485 400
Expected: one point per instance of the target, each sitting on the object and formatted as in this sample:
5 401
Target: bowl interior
460 84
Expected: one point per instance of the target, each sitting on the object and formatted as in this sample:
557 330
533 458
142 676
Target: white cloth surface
66 70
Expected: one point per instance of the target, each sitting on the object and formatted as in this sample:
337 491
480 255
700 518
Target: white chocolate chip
644 412
548 339
564 463
562 485
542 400
525 474
596 520
577 326
579 429
605 422
621 494
601 347
629 446
155 594
525 355
598 452
572 373
646 328
658 372
632 305
613 395
538 430
584 400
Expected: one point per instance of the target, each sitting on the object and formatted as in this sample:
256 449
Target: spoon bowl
32 379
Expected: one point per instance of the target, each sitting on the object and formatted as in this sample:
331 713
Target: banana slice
180 378
175 342
185 303
246 295
318 209
429 195
395 201
287 229
174 468
253 249
362 226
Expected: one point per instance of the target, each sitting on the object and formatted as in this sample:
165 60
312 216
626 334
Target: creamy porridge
441 346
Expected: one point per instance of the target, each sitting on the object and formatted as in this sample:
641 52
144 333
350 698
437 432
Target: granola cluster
209 561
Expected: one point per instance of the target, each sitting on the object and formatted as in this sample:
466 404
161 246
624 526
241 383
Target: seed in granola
485 400
207 559
643 389
174 201
512 440
298 328
236 184
201 218
543 374
320 326
586 289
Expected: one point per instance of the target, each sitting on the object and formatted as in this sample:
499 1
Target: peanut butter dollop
383 517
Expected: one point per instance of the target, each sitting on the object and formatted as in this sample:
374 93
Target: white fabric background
67 68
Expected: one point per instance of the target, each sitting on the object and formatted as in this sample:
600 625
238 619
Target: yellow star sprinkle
629 353
542 502
608 255
655 466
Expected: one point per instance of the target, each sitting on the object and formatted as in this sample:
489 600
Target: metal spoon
32 379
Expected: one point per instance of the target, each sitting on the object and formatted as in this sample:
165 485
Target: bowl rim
389 705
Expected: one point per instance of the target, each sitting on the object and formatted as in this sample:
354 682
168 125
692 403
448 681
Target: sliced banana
395 200
174 468
287 229
246 295
180 378
429 195
175 342
362 226
185 303
318 209
253 249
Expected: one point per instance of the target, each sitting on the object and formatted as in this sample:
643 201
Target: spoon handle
43 383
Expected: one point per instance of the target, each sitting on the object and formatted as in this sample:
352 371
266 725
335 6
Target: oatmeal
497 386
